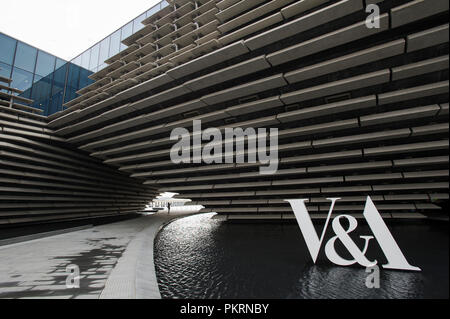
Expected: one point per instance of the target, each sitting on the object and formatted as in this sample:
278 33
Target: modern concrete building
360 111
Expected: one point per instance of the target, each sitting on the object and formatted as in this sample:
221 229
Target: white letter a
395 257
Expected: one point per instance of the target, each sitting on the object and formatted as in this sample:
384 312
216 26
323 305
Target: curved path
115 261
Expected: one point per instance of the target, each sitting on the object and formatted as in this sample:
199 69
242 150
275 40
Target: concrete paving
115 261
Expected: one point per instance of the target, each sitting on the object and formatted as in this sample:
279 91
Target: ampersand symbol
353 249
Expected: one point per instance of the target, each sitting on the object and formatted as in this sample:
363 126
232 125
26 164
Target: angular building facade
360 110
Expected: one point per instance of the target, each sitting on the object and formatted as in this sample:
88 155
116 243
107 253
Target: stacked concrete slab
43 179
360 111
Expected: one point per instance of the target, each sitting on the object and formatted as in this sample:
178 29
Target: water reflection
320 282
203 258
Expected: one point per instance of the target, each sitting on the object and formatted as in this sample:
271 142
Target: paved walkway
115 261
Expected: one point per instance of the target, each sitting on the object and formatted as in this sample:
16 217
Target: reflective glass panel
77 60
127 30
45 64
115 43
22 80
85 59
70 94
55 103
84 80
5 71
153 10
95 51
73 76
104 51
137 25
25 57
59 79
59 63
42 89
7 49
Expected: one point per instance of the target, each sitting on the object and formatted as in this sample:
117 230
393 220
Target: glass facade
94 58
51 81
41 76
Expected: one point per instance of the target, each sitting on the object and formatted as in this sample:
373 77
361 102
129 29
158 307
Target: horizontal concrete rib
160 97
430 129
232 72
237 9
304 23
218 56
428 38
252 28
418 161
413 93
319 128
345 85
267 83
146 86
416 10
363 138
402 115
347 61
253 14
328 109
419 68
255 106
327 41
405 148
300 6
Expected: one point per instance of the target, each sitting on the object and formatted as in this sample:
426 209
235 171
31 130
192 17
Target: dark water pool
203 258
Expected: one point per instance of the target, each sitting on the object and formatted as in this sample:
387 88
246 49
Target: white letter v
306 225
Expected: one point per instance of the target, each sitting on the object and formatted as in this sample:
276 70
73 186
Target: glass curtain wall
51 81
94 58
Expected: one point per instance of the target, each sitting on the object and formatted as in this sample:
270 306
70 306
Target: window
137 25
70 94
104 50
55 104
25 57
114 47
95 51
7 49
84 80
85 59
59 63
77 60
74 75
59 79
127 30
45 64
22 80
42 88
5 71
153 10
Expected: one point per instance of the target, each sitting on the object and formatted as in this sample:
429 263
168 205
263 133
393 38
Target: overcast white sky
66 28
